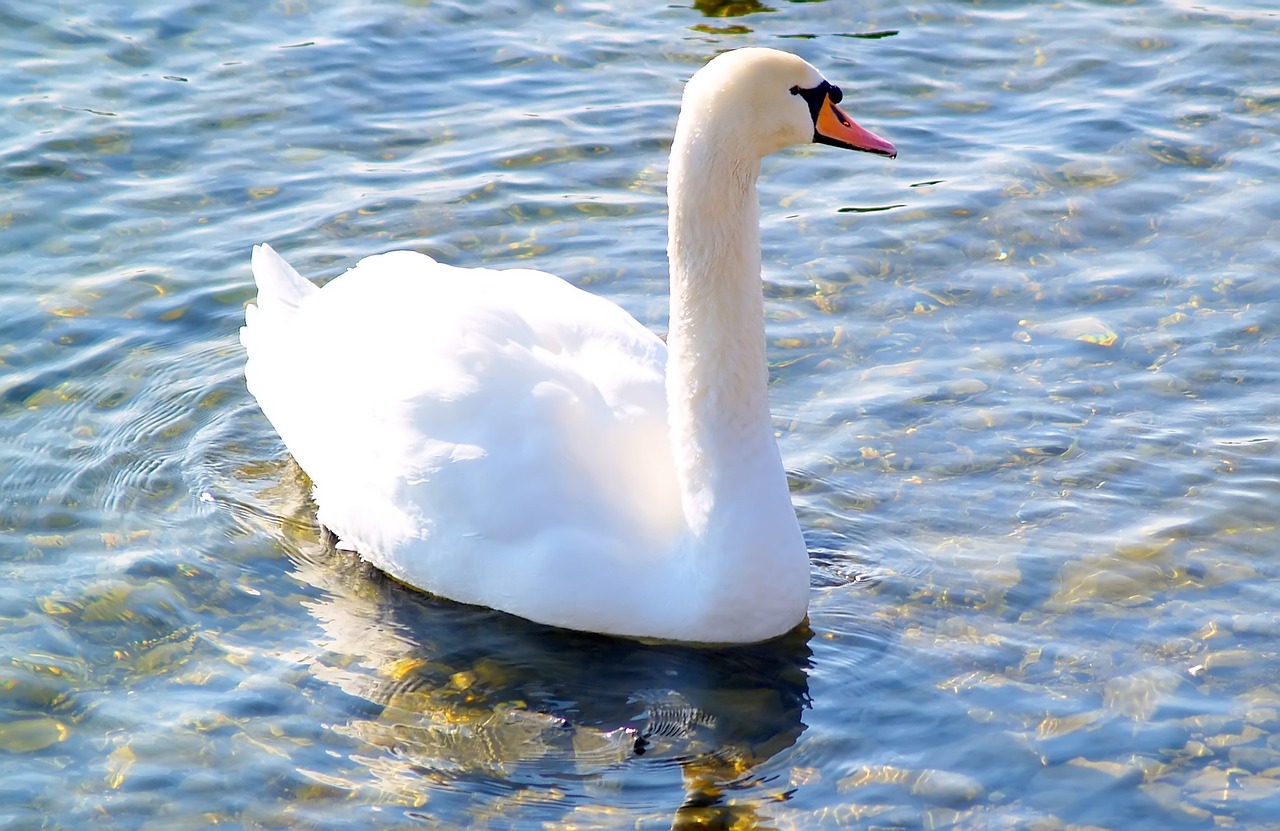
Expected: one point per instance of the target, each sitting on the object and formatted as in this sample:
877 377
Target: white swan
502 438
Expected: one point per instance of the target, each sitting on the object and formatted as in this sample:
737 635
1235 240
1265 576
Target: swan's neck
717 374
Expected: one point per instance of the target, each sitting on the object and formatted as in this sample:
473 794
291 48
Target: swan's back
477 428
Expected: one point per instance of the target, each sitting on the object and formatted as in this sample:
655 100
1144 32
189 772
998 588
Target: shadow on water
464 700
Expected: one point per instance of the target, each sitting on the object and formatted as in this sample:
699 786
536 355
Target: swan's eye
815 97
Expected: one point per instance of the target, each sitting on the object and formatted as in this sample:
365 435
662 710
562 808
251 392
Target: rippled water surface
1023 377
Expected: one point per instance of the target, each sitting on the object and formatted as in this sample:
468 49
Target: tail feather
281 292
280 288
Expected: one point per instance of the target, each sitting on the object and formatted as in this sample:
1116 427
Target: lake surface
1024 380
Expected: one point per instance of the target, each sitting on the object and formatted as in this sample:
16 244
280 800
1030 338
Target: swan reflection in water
475 710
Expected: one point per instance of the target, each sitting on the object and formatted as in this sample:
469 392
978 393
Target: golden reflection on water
460 694
730 8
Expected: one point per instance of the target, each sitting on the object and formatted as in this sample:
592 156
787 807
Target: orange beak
832 126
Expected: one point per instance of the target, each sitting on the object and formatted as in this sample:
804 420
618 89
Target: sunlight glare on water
1020 380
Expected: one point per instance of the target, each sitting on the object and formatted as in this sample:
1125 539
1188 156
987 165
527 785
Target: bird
502 438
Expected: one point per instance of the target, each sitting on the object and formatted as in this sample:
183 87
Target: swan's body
505 439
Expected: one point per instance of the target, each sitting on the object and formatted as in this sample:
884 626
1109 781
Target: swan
505 439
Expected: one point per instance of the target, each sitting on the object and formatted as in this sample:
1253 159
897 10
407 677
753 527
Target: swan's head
771 100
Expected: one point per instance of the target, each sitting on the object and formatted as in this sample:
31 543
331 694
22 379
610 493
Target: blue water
1022 379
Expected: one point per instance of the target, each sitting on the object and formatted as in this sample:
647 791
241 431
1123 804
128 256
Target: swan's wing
453 420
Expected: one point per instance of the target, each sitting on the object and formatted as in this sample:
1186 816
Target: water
1023 381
